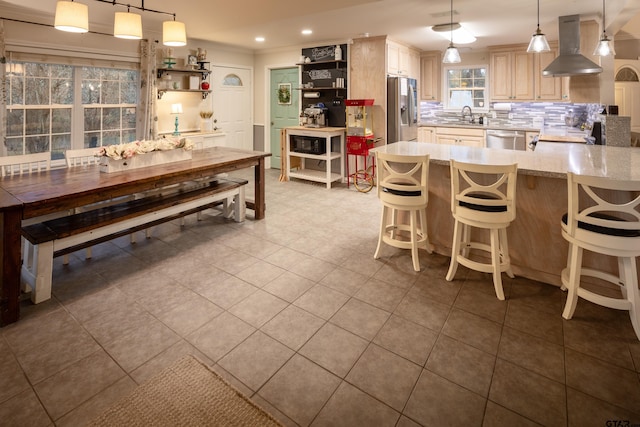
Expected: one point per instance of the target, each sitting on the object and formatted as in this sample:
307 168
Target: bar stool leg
383 230
414 240
423 228
495 262
629 274
573 282
504 252
455 250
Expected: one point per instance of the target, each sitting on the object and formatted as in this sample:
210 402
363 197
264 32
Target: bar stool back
402 183
603 217
482 196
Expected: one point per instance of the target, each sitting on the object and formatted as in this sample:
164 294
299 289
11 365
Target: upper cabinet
511 73
402 60
547 88
430 76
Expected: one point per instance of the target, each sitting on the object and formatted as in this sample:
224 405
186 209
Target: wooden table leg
259 190
10 220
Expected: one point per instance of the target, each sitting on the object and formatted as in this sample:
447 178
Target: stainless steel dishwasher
506 139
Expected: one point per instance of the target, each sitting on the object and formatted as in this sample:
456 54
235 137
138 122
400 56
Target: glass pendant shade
72 17
604 47
538 43
451 55
174 33
127 26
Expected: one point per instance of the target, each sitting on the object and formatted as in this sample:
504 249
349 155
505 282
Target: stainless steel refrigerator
402 109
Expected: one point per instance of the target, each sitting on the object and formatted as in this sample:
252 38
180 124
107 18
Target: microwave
308 144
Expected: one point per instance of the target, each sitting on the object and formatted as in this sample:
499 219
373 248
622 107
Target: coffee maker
316 116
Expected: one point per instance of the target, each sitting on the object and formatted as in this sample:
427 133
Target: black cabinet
324 80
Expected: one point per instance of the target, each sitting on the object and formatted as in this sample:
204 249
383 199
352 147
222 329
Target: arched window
626 74
232 80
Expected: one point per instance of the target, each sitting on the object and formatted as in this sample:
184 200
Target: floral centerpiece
136 154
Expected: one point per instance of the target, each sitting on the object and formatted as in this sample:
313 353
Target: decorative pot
205 85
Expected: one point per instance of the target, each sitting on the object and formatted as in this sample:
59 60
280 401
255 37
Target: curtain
3 93
147 119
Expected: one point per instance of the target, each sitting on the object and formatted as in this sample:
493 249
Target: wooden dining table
46 192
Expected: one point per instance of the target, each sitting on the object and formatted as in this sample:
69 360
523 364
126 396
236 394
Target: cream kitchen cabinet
430 76
547 88
426 134
511 70
469 137
402 60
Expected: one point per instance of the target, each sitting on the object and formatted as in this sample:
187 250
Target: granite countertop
195 133
549 159
478 126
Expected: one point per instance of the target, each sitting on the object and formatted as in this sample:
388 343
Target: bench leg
239 205
37 271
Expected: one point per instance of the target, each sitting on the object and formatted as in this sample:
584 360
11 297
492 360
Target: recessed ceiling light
460 34
260 39
307 32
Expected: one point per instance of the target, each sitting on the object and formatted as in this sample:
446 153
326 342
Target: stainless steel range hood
569 61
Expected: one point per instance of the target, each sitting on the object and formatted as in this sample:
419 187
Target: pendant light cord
604 20
451 24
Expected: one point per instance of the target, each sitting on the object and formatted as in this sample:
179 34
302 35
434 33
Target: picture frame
284 93
192 60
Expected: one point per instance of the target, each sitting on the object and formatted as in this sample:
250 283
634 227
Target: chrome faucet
467 110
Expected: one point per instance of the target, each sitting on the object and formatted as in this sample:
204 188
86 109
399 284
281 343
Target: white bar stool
603 217
482 196
402 183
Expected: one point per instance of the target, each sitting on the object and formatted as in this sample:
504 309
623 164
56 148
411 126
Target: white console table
334 153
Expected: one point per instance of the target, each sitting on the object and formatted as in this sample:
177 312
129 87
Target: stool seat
604 218
402 183
482 197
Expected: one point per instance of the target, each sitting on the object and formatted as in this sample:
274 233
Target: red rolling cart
359 140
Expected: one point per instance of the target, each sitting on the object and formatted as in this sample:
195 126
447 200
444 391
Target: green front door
285 110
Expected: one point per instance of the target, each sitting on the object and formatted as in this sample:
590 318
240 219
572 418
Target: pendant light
605 46
174 33
538 41
72 17
451 55
127 25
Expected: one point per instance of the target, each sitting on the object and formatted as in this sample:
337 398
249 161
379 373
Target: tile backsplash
522 113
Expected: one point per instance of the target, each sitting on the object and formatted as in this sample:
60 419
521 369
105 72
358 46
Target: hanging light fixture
174 33
538 41
451 55
605 46
127 25
72 17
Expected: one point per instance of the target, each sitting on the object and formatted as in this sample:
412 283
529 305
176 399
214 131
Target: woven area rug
185 394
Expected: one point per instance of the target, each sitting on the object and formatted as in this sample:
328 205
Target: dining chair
603 217
482 197
403 186
24 164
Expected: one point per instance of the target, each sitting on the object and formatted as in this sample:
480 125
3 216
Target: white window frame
445 87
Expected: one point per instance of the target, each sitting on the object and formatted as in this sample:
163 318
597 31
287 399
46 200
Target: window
466 86
49 106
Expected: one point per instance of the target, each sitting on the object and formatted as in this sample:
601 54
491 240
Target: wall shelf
204 93
162 71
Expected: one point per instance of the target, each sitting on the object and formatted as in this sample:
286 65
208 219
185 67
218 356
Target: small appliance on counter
316 115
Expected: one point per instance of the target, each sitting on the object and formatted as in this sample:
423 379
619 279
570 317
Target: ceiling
237 23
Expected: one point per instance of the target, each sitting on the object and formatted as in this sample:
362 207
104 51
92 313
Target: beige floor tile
118 321
300 389
351 407
587 411
289 286
498 416
537 355
618 386
194 312
437 288
598 341
406 339
228 292
423 311
360 318
545 298
449 404
381 294
344 280
256 359
529 394
473 330
362 263
76 384
220 335
12 379
33 332
293 326
140 345
462 364
402 276
258 308
385 376
312 268
334 349
527 319
482 304
260 273
321 301
24 409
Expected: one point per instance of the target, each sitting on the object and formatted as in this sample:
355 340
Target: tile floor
295 312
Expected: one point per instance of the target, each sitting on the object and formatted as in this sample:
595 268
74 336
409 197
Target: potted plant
205 121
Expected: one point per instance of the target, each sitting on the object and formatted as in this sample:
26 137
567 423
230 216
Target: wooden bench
49 239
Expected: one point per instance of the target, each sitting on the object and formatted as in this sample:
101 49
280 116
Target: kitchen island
536 246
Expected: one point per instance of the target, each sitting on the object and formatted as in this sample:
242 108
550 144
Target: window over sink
466 85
